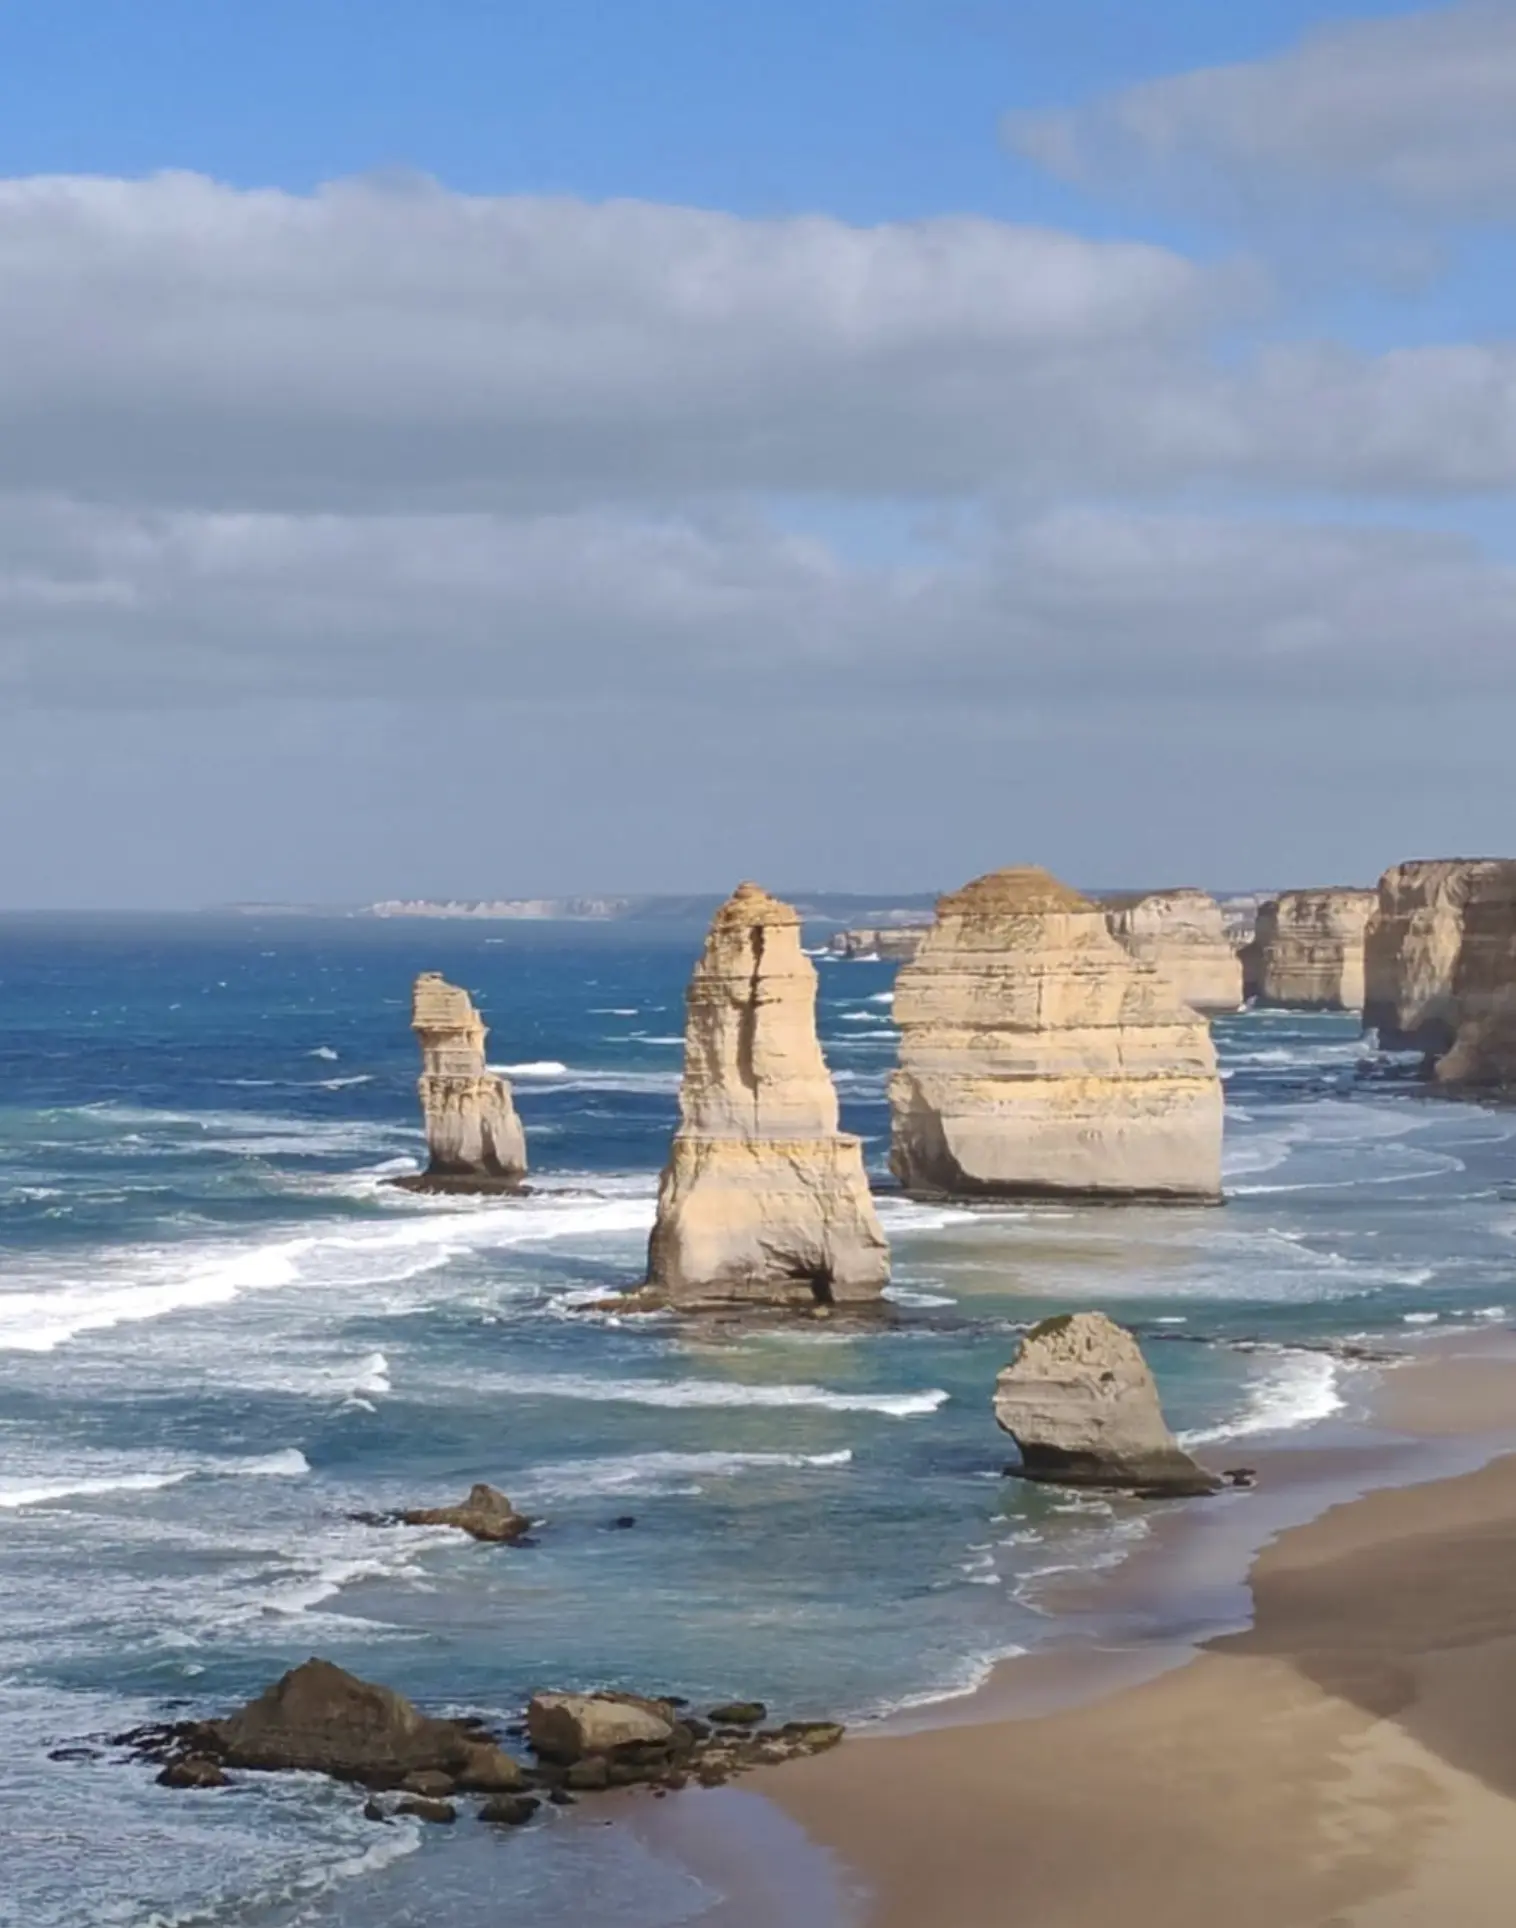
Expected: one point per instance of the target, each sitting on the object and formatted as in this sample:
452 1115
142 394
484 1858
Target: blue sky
1057 416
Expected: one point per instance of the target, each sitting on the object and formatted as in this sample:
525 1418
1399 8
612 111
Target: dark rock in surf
485 1515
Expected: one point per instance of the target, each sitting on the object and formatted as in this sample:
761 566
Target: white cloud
1416 111
179 341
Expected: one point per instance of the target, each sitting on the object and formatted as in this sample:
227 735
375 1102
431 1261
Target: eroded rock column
473 1136
763 1199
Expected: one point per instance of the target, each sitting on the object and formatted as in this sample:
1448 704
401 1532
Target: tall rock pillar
763 1199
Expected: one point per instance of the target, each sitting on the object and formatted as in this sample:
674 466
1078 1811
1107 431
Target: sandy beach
1349 1759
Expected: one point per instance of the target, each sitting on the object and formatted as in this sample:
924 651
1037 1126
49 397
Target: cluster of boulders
317 1718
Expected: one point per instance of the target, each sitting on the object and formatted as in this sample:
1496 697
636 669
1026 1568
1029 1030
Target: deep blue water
221 1334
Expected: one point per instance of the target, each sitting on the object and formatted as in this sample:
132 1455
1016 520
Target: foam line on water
711 1393
288 1463
1299 1391
655 1472
146 1283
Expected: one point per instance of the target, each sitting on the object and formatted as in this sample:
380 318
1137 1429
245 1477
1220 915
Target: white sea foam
41 1492
912 1296
324 1051
341 1084
882 997
1419 1318
712 1392
659 1472
532 1068
151 1282
289 1463
1296 1391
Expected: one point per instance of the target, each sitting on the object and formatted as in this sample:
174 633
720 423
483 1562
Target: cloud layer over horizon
886 510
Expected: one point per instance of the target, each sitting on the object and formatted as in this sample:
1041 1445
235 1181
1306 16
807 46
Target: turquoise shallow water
220 1334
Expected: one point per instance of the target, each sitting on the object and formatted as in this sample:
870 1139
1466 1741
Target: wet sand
1347 1761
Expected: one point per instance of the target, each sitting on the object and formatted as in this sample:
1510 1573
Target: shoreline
1167 1710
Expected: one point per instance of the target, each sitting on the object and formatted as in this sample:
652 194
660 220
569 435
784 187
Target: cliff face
1483 1051
1307 951
472 1131
1182 933
763 1199
1411 950
1038 1057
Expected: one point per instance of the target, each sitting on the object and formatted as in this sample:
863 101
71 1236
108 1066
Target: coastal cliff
1412 946
1038 1057
763 1200
1483 1052
1307 950
1183 933
473 1135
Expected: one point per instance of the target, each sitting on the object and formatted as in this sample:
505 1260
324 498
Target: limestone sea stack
473 1135
1307 950
1412 946
1482 1055
1183 933
763 1201
1038 1057
1080 1403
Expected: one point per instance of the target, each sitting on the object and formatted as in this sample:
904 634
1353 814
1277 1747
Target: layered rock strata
1412 946
1080 1403
1038 1057
1482 1055
1307 950
1182 933
473 1136
763 1200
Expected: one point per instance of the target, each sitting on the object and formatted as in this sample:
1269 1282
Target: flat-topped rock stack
1482 1055
1307 950
1412 947
1038 1057
1183 933
473 1135
763 1201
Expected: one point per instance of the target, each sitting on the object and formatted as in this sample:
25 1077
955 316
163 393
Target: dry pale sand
1349 1762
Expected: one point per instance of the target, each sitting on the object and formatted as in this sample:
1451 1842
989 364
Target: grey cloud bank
1418 111
323 517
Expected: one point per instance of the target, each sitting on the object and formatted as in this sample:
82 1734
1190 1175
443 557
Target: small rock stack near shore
1038 1057
1183 934
764 1201
1307 952
474 1138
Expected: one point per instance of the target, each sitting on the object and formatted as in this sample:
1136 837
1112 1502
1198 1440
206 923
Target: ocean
222 1335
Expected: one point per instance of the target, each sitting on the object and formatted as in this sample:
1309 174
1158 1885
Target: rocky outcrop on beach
1482 1055
1037 1056
892 944
763 1200
319 1719
485 1515
473 1135
1183 934
1412 947
1080 1403
1307 952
